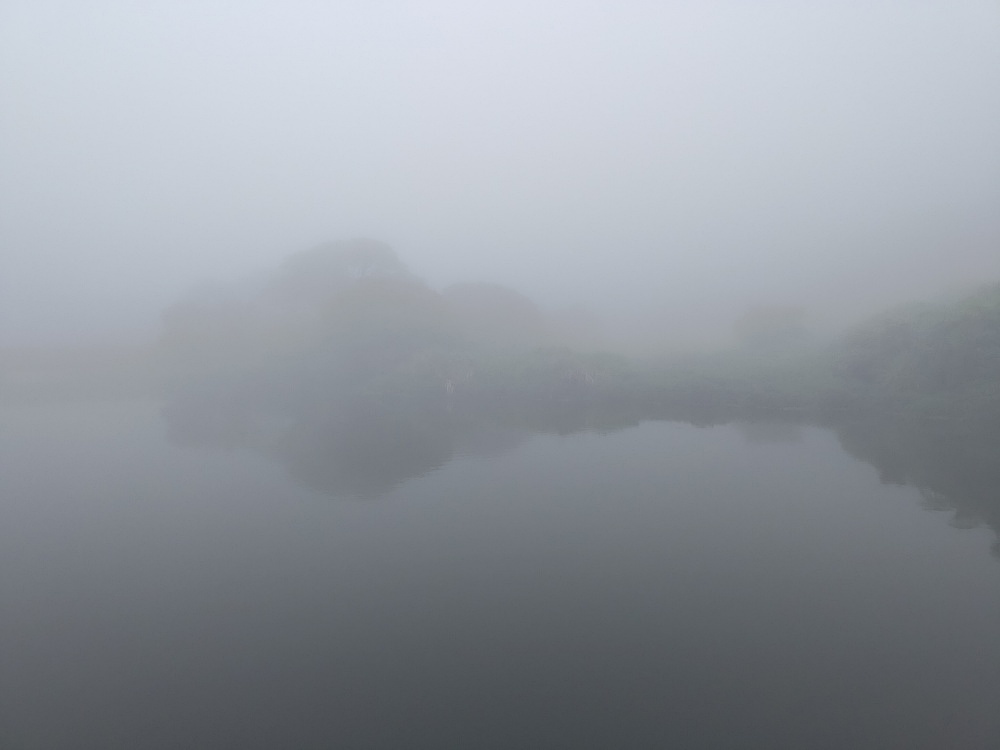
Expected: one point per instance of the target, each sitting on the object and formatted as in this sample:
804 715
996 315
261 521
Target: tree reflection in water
956 467
363 448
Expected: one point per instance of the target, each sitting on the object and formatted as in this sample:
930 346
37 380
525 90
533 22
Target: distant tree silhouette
497 316
333 266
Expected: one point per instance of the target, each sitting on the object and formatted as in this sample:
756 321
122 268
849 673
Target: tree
379 324
496 316
315 274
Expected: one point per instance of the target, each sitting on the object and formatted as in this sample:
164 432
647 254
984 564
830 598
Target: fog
489 375
666 165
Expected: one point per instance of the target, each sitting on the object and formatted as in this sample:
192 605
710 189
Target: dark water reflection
954 468
582 586
365 450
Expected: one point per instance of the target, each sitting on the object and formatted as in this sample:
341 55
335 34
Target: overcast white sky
679 158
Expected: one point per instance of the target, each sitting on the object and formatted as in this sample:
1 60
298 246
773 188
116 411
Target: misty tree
380 324
946 349
495 315
252 327
326 269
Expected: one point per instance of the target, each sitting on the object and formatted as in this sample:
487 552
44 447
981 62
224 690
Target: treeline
933 365
348 320
935 362
356 375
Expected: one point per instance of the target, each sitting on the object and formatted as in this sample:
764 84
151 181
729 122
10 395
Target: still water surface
660 586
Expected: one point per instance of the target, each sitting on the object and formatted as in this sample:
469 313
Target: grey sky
674 158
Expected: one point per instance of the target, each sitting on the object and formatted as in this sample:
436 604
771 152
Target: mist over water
552 374
712 587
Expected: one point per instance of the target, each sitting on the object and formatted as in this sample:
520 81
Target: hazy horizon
663 163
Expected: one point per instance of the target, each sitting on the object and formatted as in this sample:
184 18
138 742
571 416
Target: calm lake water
663 585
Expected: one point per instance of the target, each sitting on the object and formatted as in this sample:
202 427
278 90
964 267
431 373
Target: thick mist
546 374
665 165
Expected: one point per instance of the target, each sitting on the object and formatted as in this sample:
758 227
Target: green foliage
942 361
